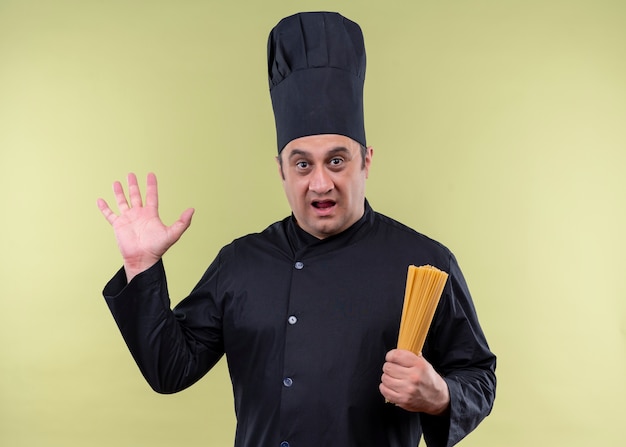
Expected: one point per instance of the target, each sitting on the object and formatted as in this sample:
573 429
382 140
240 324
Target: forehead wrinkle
334 151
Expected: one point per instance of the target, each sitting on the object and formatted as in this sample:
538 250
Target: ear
369 154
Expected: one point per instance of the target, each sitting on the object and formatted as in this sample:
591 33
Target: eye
336 161
302 164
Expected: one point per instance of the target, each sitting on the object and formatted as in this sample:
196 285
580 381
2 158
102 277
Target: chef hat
316 67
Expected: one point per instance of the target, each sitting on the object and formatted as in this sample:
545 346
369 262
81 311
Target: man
307 311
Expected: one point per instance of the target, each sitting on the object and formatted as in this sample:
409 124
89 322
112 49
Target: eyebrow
334 151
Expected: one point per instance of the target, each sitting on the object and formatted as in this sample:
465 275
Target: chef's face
324 180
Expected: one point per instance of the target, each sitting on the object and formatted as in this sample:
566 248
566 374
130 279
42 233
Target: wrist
442 405
134 268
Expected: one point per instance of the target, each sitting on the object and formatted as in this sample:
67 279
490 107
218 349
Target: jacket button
299 265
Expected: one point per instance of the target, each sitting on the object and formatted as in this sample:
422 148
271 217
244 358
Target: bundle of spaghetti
424 286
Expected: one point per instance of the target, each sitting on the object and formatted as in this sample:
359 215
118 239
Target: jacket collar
302 242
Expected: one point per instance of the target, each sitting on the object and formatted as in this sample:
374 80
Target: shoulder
401 242
405 234
273 238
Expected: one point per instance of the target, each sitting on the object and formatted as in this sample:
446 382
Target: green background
499 128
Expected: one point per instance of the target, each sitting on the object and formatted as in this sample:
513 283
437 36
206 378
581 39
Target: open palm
141 235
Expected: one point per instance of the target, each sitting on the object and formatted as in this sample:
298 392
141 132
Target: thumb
183 222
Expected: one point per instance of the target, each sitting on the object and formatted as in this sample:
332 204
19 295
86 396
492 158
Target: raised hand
141 235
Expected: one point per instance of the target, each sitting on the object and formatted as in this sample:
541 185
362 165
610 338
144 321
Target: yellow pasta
424 286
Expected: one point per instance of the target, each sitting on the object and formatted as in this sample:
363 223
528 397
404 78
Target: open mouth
323 206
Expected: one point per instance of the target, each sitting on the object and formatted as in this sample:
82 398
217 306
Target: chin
327 231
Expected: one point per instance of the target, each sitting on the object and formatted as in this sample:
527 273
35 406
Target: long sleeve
458 350
170 352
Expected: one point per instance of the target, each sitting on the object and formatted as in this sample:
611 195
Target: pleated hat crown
316 66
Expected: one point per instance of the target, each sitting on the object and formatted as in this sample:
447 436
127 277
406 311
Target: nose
320 181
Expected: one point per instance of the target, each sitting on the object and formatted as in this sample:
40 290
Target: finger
392 379
133 191
152 191
393 373
186 216
393 370
120 197
391 355
402 357
391 396
181 225
388 368
106 211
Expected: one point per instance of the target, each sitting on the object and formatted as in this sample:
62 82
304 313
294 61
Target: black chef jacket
305 325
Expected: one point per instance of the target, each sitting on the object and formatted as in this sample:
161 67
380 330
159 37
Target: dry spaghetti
424 286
